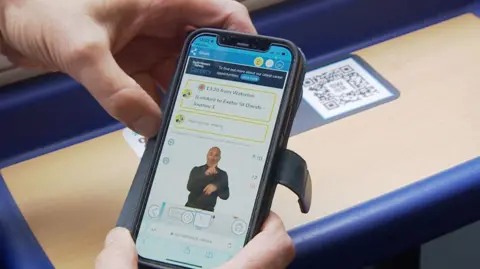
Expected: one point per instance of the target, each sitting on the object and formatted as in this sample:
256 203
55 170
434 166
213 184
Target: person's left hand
209 189
120 50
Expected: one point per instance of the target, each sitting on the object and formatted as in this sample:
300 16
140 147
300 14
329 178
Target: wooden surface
72 197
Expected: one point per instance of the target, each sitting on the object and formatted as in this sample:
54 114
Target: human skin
270 249
122 51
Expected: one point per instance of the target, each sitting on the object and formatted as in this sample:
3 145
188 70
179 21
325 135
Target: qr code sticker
341 87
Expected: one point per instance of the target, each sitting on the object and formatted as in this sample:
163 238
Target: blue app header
236 72
276 58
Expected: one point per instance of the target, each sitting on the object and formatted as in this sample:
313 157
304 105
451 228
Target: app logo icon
258 61
187 93
179 119
201 87
269 63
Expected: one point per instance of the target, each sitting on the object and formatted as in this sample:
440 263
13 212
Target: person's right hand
120 50
272 248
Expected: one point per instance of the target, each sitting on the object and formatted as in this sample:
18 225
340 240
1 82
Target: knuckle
244 9
239 6
238 18
120 102
86 51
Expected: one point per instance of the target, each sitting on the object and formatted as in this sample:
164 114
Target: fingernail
146 126
115 234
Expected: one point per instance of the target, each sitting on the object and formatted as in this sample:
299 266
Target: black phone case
290 102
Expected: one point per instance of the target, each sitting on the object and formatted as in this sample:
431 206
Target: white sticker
341 87
136 141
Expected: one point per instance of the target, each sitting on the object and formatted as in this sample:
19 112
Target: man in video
207 182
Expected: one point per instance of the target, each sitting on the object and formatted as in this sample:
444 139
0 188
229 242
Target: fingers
149 84
17 59
119 251
238 17
119 94
152 55
226 14
273 224
208 190
272 248
164 71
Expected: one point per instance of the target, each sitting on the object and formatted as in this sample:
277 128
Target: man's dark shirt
198 181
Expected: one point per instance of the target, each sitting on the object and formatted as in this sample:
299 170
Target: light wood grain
72 197
435 124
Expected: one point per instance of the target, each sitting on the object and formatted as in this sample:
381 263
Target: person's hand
119 251
209 189
272 248
120 50
211 171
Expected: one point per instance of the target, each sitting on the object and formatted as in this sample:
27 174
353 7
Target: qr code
342 87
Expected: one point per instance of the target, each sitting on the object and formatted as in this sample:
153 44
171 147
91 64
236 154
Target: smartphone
212 178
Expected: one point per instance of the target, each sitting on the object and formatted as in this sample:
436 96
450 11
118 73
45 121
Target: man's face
213 156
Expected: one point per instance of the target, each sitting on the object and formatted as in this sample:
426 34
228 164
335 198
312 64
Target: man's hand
272 248
211 171
209 189
120 50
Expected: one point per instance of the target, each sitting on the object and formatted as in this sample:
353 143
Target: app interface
206 182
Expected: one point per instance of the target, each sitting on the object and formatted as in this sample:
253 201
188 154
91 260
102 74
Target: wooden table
72 197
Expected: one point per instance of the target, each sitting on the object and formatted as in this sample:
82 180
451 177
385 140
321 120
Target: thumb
272 248
119 251
120 95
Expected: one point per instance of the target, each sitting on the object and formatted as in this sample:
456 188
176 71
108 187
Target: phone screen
205 186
